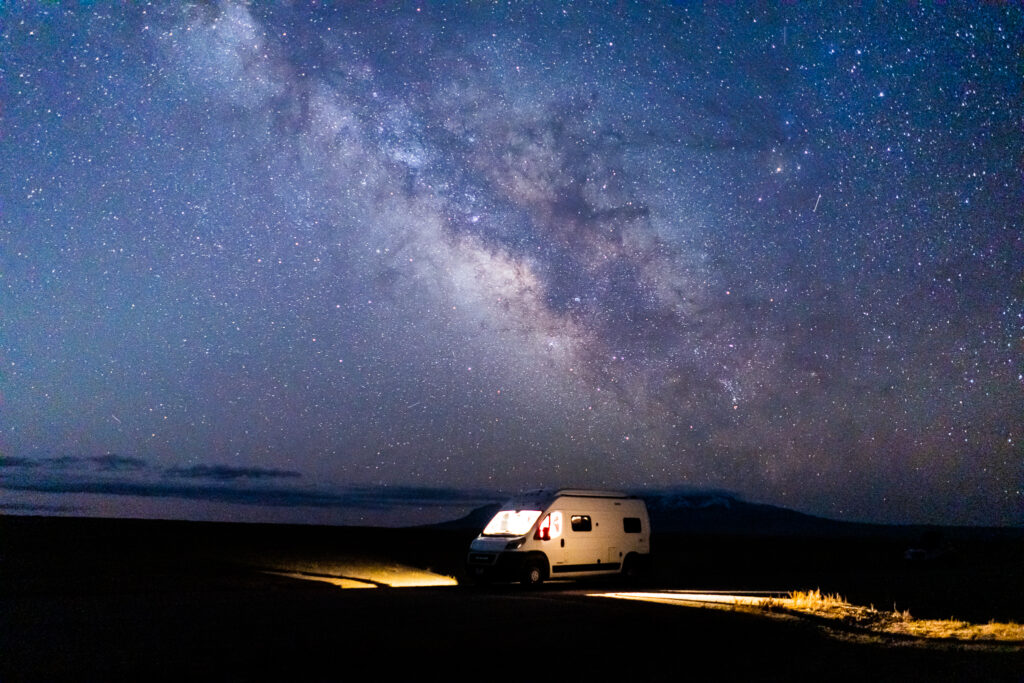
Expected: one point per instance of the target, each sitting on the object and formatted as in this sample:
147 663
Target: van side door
583 546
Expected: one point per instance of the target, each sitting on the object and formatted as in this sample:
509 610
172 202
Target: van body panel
577 533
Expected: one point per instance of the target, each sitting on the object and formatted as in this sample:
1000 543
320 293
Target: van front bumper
496 566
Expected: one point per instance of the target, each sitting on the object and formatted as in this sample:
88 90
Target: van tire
634 568
534 573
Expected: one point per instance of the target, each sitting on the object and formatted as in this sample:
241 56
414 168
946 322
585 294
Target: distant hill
475 520
721 513
704 513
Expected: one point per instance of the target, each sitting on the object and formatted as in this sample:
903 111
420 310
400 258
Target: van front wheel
533 574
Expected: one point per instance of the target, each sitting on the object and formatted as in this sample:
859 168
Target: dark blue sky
772 249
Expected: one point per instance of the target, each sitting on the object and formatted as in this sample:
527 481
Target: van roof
581 493
539 499
590 493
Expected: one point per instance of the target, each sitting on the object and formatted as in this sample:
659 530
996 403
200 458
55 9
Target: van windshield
511 523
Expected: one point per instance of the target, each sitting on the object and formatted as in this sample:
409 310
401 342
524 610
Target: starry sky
302 256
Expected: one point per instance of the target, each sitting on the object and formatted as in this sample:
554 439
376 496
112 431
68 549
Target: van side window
631 525
580 522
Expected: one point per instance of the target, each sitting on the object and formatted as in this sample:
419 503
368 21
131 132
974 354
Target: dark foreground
84 600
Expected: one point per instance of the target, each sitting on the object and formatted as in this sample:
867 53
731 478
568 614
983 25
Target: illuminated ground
835 613
365 574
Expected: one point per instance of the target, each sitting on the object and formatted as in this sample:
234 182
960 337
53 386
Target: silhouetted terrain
93 599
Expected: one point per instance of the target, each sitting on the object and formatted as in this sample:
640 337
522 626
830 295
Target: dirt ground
84 600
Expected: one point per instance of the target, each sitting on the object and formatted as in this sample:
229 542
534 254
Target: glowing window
556 524
549 527
511 523
580 522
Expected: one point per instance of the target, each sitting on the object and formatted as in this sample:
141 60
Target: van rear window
631 525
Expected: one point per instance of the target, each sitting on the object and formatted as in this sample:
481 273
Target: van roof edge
592 493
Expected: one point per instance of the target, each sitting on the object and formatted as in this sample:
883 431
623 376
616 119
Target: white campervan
569 533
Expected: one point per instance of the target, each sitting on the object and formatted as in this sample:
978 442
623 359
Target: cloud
118 463
131 476
63 462
227 473
18 462
32 507
366 498
108 462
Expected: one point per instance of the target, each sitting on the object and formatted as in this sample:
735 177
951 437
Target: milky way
775 251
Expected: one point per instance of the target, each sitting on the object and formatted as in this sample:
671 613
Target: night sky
275 260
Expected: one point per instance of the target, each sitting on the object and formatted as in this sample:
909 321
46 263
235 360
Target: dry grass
837 609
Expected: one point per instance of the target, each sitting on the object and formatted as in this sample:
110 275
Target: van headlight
515 543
